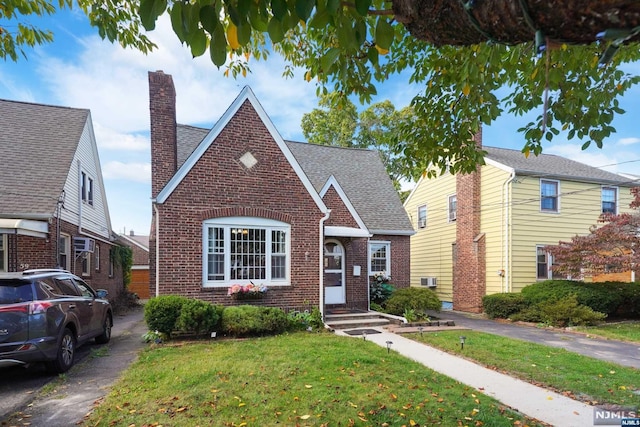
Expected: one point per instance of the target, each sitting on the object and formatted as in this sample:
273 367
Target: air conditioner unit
422 223
83 244
430 282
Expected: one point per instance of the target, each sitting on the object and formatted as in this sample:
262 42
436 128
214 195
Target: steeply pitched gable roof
245 96
551 166
362 177
37 145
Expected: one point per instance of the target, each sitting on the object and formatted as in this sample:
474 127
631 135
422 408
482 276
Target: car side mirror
102 293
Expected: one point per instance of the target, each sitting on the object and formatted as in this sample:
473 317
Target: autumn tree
560 59
613 246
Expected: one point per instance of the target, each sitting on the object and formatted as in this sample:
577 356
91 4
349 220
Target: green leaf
218 47
360 32
209 18
304 8
384 33
329 59
372 55
276 33
332 6
243 7
279 9
362 6
198 42
177 22
233 15
257 20
244 34
320 19
149 12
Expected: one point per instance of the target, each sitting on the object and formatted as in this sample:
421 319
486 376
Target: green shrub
418 299
380 292
197 316
528 314
161 313
300 320
630 296
568 312
503 306
245 320
376 307
595 295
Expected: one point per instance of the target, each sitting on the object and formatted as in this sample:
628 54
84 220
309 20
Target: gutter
321 258
505 253
157 224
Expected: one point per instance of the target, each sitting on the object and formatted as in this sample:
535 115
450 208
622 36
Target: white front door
333 266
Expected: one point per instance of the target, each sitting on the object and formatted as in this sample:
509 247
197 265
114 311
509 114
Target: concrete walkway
536 402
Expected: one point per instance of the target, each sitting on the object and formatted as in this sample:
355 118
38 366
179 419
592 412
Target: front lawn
591 380
624 331
299 379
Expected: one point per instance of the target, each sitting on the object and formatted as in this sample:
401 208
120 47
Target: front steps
357 320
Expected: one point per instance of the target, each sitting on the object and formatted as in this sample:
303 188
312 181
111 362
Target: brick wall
33 252
400 259
340 215
469 276
219 185
162 106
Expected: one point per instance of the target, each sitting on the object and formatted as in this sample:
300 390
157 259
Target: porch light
462 338
389 346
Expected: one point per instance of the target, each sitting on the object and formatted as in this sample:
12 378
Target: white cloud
137 172
110 139
629 141
609 160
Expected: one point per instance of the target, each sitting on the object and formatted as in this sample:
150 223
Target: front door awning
26 227
334 231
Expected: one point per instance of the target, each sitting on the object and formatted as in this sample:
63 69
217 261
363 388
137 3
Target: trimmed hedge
161 313
246 320
599 296
418 299
503 306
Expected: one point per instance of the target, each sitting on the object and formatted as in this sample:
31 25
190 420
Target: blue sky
80 70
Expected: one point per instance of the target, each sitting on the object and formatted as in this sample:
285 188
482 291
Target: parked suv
45 314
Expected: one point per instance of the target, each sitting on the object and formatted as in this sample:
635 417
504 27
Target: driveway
69 397
621 353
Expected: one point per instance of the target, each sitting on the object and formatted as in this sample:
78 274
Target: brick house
485 232
236 204
53 209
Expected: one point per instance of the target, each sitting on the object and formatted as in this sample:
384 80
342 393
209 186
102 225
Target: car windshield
15 291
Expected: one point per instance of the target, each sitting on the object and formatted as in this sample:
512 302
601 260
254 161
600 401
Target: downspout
321 269
157 223
506 200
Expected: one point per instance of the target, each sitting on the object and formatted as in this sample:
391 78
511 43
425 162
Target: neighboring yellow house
498 220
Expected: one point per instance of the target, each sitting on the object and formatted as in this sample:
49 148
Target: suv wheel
66 353
106 332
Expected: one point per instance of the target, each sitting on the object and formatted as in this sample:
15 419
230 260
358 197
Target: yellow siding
580 206
494 213
431 247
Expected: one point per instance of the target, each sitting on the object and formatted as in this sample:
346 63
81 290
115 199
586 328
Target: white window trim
67 251
227 224
87 188
387 243
557 195
617 201
549 263
96 255
449 197
426 212
86 257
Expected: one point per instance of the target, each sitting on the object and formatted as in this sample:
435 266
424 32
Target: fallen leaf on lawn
549 398
576 412
412 423
305 417
184 408
364 420
241 404
393 396
308 386
612 372
214 390
353 405
622 387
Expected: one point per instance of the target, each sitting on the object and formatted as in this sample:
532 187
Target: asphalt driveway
68 398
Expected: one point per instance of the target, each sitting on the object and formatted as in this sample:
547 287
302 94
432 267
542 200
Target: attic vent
83 244
430 282
248 160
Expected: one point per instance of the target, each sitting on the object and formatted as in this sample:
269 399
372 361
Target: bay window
240 250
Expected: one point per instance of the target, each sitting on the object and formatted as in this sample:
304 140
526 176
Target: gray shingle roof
362 176
552 166
37 145
378 205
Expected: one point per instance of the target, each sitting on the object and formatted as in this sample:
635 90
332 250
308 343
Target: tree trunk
445 22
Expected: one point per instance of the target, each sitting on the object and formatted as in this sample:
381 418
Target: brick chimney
162 109
469 267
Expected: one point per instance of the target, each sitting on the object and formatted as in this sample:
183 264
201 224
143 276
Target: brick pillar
162 109
469 267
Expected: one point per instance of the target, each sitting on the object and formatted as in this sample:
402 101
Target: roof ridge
43 105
